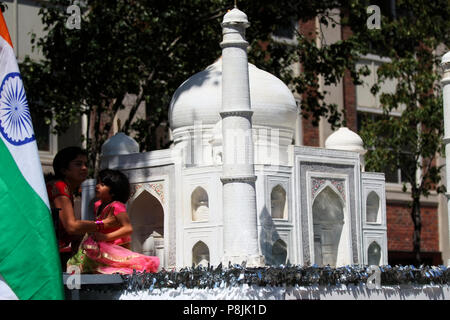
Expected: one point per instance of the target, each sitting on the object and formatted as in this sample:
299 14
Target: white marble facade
313 205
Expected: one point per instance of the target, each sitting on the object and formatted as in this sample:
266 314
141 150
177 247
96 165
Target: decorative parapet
236 113
280 283
248 179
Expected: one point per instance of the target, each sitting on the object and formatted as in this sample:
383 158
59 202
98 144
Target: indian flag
29 258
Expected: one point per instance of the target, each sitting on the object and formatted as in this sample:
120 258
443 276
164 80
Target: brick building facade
354 100
434 235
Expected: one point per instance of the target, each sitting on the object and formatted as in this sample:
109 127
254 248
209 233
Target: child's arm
125 230
74 226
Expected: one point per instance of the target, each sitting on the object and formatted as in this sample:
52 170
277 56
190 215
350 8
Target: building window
278 203
364 97
370 108
374 254
392 175
199 205
46 140
372 207
200 254
286 34
42 132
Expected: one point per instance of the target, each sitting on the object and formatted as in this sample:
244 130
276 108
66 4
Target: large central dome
199 100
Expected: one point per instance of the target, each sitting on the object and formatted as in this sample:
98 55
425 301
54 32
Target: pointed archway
328 222
199 205
147 216
200 254
372 207
374 254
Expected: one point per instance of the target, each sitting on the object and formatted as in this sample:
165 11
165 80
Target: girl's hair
63 158
119 186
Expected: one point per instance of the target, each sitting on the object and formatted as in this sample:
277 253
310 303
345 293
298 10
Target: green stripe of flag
29 257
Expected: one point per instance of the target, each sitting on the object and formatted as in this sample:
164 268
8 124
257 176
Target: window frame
376 110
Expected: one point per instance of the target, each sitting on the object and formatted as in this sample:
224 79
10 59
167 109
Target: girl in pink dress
113 190
108 250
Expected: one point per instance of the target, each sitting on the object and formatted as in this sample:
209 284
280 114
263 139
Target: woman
108 251
70 170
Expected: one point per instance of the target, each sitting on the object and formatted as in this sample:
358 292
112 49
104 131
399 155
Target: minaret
446 99
240 232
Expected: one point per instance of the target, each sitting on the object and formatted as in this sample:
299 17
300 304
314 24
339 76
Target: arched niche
279 252
278 203
372 207
146 216
200 205
200 254
374 254
328 221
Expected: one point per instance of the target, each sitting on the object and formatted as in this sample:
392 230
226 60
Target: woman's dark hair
119 186
63 158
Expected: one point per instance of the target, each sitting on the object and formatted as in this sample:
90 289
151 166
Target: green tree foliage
408 136
148 48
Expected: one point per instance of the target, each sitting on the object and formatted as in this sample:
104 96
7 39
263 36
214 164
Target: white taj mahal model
234 188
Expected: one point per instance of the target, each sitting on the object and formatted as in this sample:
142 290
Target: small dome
235 16
119 144
199 100
446 58
345 139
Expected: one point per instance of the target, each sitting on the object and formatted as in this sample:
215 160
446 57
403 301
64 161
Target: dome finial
235 17
235 4
119 144
345 139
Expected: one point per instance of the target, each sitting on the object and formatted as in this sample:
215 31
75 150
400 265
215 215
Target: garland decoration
201 277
